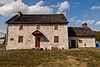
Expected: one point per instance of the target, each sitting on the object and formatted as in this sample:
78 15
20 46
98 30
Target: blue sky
77 11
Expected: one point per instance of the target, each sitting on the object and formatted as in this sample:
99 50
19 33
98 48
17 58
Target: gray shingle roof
39 19
80 32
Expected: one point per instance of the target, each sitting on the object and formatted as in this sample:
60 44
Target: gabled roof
37 32
38 19
80 32
2 38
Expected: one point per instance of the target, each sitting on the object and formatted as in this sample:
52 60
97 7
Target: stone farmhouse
46 31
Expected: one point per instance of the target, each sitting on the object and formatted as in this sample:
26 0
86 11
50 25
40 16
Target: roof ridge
42 14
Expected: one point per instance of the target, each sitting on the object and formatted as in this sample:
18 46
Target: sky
77 11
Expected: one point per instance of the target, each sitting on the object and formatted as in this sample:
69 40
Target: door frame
36 42
74 44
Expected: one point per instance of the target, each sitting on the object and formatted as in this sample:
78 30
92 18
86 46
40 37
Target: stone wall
46 41
86 41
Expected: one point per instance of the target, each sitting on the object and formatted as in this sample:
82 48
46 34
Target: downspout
6 37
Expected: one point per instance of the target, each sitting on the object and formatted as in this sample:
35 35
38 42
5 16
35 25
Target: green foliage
98 35
79 57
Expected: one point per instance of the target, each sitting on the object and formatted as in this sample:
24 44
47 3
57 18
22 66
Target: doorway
73 44
37 42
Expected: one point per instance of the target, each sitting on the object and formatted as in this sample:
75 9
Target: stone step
37 48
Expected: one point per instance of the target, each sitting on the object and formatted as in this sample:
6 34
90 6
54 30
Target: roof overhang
37 32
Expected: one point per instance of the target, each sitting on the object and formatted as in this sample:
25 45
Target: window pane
21 27
38 26
20 39
80 41
56 39
56 27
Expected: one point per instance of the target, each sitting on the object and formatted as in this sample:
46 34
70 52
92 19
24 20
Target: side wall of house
86 41
46 41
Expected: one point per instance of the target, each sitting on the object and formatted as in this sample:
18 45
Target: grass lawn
2 45
78 57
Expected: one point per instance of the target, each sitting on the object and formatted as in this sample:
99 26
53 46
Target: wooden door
37 42
73 45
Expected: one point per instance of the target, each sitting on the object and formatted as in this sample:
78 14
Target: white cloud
11 7
72 19
15 6
6 1
62 6
40 3
78 21
2 31
95 7
85 21
98 23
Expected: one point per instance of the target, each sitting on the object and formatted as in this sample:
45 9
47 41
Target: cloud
98 23
6 1
95 7
15 6
85 21
62 6
39 3
2 32
39 9
78 21
11 7
72 19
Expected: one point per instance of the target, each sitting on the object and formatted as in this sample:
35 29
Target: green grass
80 57
2 45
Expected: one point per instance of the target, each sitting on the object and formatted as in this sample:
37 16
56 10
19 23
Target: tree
98 35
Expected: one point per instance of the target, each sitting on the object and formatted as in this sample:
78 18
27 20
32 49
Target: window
56 27
80 41
56 39
20 39
21 27
38 26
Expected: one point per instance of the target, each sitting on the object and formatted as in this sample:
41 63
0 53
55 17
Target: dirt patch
74 63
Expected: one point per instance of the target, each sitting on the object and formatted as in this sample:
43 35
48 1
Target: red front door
38 42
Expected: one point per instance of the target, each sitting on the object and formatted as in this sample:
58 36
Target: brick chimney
19 13
64 13
84 25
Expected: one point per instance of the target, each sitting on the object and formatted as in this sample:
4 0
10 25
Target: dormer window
56 27
38 27
21 27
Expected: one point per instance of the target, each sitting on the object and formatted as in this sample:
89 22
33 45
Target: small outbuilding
81 37
2 39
